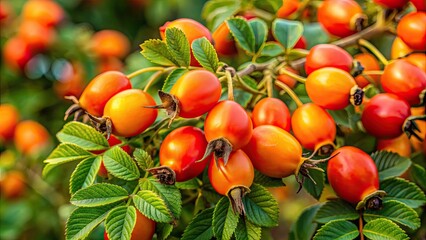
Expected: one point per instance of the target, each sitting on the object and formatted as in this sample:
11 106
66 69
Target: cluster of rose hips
237 143
29 137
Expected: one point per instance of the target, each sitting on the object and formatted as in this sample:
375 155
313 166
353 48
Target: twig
361 226
290 93
230 85
144 70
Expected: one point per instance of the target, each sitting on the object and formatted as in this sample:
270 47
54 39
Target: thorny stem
360 226
144 70
230 85
290 92
374 50
292 75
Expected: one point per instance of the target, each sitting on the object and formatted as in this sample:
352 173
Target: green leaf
341 117
247 231
418 174
315 33
403 191
397 212
120 164
272 49
200 203
287 32
190 184
336 210
178 46
242 97
83 220
205 54
200 228
48 168
210 194
120 222
337 230
67 152
216 12
250 82
83 136
271 6
390 164
315 189
98 195
260 31
242 33
85 173
261 207
361 140
266 181
156 51
383 229
173 78
152 206
304 227
224 220
143 159
169 193
163 230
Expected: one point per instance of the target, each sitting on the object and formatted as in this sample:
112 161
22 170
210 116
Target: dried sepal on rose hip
179 153
228 128
232 179
276 153
353 175
96 95
388 116
193 94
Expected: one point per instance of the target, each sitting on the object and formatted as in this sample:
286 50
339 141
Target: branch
252 67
